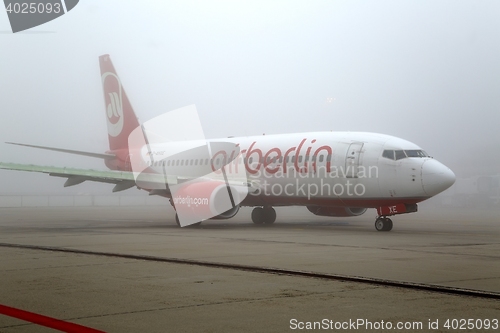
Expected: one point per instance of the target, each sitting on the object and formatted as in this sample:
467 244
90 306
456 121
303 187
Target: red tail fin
120 116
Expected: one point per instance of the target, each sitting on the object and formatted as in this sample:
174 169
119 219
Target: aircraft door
353 159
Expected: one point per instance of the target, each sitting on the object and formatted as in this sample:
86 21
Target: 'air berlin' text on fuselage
275 159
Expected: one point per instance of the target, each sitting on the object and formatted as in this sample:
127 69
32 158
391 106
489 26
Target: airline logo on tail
114 103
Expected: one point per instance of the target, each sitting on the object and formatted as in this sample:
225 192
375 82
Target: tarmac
452 247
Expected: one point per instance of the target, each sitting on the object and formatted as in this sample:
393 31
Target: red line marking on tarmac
42 320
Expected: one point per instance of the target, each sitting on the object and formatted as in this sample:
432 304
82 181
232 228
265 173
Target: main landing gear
383 224
263 215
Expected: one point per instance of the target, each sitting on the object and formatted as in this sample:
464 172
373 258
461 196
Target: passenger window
388 154
321 158
400 154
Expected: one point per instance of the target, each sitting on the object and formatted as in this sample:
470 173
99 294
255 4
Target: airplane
334 174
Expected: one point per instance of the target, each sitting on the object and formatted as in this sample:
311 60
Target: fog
425 71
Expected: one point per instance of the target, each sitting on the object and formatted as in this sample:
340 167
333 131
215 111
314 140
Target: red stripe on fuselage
260 200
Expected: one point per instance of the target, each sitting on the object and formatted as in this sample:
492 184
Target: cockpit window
388 154
416 153
400 154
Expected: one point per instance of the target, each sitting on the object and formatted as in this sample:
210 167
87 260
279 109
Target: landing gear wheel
383 224
258 215
261 215
388 226
269 215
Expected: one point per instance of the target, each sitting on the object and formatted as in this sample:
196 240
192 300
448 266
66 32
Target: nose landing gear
383 224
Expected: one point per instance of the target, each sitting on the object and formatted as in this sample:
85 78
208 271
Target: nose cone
436 177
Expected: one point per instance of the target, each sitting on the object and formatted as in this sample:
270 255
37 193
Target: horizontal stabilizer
68 151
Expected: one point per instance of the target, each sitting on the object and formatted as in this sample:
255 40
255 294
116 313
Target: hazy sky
426 71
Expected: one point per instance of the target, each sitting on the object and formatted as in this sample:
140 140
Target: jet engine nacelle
206 200
336 211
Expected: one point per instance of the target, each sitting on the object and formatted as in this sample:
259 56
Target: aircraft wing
69 151
155 183
122 179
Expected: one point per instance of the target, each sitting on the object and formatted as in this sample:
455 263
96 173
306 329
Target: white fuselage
352 169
